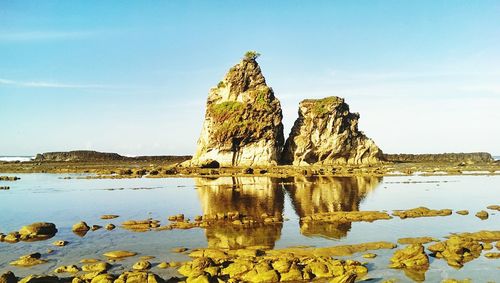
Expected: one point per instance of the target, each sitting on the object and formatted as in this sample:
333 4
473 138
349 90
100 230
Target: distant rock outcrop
469 158
327 133
78 155
95 156
242 124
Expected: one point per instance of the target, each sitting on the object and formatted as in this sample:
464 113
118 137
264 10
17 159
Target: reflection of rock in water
249 196
328 194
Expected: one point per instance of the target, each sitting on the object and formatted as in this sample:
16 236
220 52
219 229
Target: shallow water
50 198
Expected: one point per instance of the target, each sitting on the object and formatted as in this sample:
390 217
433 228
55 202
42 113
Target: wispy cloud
44 84
390 85
43 35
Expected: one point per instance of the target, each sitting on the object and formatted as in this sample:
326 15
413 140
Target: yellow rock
119 254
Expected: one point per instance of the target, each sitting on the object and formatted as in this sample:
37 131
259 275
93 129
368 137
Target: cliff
471 158
327 133
242 125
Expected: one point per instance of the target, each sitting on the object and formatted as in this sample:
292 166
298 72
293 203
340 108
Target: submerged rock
494 207
416 240
109 216
29 260
327 133
60 243
482 236
483 215
141 225
242 124
492 255
119 254
347 216
421 212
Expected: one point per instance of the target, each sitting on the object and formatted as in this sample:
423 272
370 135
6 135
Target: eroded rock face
242 124
327 133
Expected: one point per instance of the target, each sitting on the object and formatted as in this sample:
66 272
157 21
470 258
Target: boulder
8 277
38 231
242 124
327 133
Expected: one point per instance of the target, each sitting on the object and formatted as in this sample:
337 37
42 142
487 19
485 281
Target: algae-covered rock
242 124
38 231
416 240
142 265
457 250
96 267
483 215
29 260
67 269
119 254
81 228
412 256
421 212
327 133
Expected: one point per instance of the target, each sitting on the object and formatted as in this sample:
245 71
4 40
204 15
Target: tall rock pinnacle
242 124
327 133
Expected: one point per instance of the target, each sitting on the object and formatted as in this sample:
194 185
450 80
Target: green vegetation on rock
251 55
323 106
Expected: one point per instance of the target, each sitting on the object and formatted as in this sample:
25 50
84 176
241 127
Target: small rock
369 255
29 260
163 265
142 265
103 278
109 216
483 215
110 227
8 277
80 226
67 269
462 212
96 227
96 267
492 255
119 254
179 250
60 243
494 207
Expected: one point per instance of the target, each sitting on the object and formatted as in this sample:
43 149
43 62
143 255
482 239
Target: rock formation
466 158
327 133
242 124
96 156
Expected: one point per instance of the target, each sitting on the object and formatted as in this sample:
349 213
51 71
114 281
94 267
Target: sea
15 158
65 199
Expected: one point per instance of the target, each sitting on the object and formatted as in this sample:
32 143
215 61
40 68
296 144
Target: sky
133 76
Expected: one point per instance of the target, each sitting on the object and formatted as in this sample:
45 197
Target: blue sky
132 76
